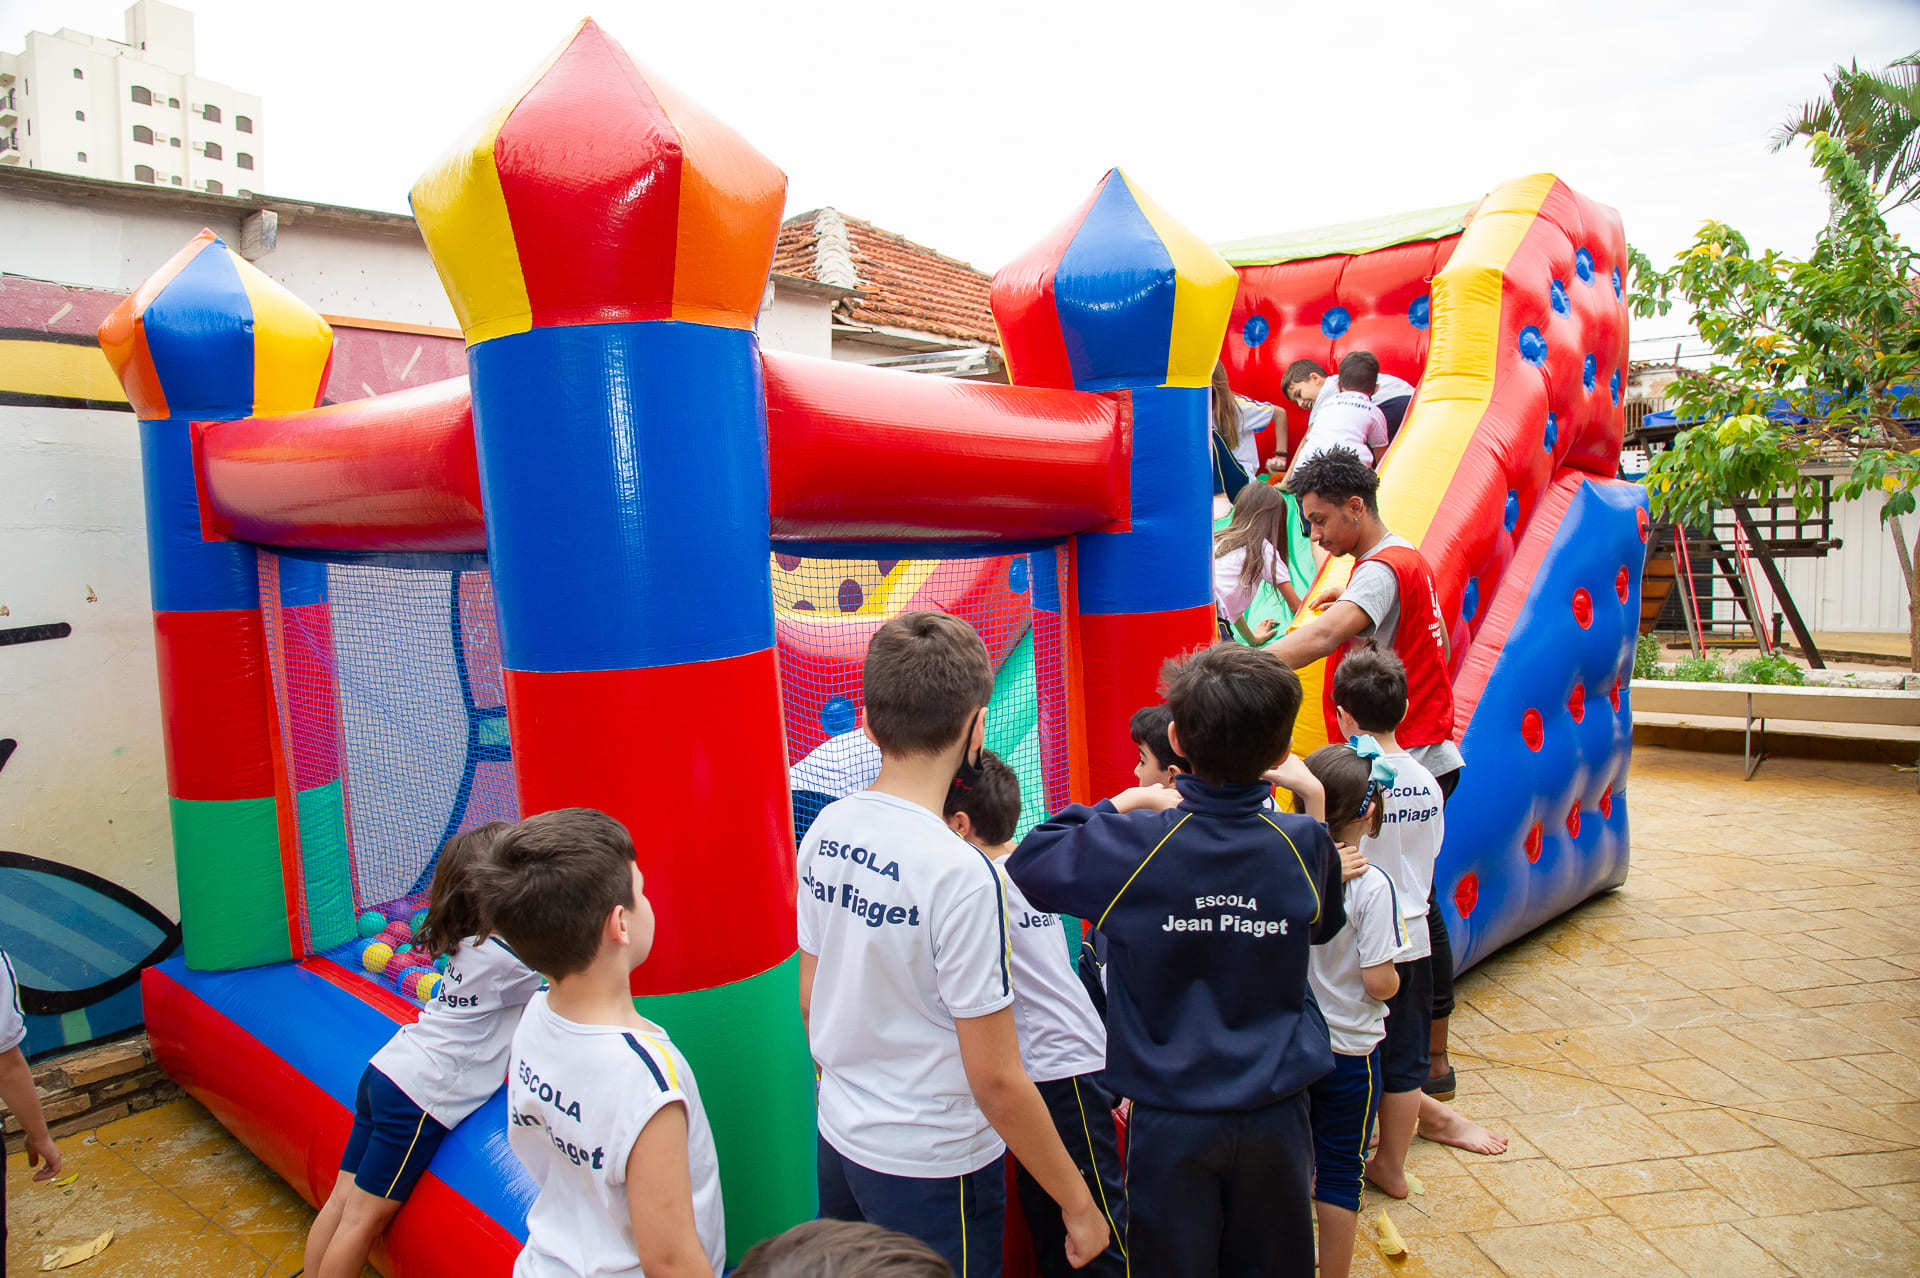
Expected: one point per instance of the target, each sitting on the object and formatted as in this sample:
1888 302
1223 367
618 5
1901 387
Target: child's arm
808 962
17 1090
990 1052
1293 774
1382 980
660 1199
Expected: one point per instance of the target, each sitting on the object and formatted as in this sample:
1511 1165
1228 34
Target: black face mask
968 774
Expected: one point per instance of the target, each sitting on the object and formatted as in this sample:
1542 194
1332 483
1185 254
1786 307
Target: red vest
1420 641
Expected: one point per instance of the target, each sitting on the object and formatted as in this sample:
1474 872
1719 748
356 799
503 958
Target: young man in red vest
1391 601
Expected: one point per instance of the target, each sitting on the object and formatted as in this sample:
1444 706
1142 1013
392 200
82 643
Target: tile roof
902 285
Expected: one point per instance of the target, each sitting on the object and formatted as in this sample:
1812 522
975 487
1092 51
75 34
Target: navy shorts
964 1218
1345 1103
1082 1112
392 1140
1404 1056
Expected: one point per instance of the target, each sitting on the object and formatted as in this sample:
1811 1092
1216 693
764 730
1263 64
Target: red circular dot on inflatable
1640 518
1535 833
1613 695
1583 607
1622 583
1573 820
1466 893
787 562
1606 802
1577 702
1532 731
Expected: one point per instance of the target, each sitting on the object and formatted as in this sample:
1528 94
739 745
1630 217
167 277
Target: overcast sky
975 127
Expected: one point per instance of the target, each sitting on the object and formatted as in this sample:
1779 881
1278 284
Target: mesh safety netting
393 731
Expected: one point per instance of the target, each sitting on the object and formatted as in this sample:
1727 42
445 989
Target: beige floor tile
1603 1248
1714 1251
1679 1207
1771 1182
1535 1091
1653 1176
1801 1038
1901 1201
1593 1137
1712 1131
1900 1166
1536 1192
1838 1244
1453 1203
1616 1045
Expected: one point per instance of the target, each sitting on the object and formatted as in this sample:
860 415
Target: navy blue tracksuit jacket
1208 910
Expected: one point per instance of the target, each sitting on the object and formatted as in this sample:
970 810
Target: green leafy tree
1836 336
1876 116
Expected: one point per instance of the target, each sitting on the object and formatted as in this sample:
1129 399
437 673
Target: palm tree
1876 115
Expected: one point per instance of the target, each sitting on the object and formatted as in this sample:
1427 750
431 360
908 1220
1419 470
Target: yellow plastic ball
374 957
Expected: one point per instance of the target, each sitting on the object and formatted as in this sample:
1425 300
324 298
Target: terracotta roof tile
902 284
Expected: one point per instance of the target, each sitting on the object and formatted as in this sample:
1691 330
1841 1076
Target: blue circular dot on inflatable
1254 331
1553 432
1618 291
1511 516
1336 321
1533 347
1017 575
1583 265
1557 294
1470 600
1420 314
1613 385
1589 371
838 716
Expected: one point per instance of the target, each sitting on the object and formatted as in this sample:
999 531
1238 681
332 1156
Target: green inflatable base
233 904
749 1054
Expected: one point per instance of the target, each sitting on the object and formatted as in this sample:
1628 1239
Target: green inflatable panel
749 1053
233 904
324 865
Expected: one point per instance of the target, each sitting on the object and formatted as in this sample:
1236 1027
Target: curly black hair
1334 476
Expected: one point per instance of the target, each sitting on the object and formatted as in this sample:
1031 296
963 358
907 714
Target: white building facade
130 110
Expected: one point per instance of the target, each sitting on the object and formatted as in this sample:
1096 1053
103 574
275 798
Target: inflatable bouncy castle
1510 317
631 561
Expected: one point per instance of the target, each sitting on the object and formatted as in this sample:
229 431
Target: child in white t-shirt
1352 977
1345 419
1252 549
1063 1042
432 1073
601 1106
17 1091
905 978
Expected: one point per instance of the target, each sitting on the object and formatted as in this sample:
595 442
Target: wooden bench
1756 703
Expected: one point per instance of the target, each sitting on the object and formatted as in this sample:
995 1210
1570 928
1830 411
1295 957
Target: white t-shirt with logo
838 766
1412 823
1254 418
578 1096
13 1023
1061 1036
1386 388
1345 419
1356 1021
908 924
450 1060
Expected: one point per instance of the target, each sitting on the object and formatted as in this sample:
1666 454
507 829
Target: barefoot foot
1445 1125
1391 1183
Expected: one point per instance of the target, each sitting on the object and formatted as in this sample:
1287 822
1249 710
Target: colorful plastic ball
374 957
371 922
399 929
441 962
429 985
418 921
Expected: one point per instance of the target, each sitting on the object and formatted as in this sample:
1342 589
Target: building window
141 133
176 179
212 150
210 113
78 74
243 124
80 156
242 159
175 142
80 116
174 103
143 95
214 188
143 173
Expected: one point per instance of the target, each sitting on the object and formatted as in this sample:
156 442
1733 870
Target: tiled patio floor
1714 1070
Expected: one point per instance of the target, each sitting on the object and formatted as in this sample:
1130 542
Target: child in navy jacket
1208 909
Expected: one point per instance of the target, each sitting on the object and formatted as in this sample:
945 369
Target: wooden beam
1801 635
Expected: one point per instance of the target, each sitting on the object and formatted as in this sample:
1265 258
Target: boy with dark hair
1360 371
905 980
1208 910
1063 1042
601 1106
1391 600
1159 763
